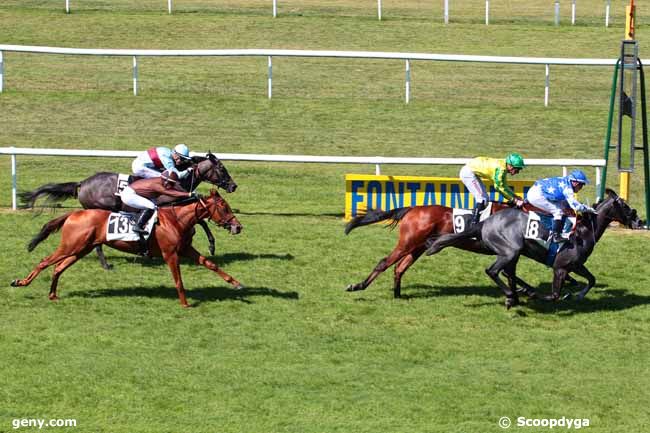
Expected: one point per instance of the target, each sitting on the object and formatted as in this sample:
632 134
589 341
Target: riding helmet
515 160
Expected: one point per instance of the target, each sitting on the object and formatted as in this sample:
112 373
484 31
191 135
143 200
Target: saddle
120 226
463 217
124 180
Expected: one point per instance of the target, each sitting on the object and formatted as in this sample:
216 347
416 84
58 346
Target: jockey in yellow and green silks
496 170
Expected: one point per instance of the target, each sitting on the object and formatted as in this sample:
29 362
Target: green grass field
294 352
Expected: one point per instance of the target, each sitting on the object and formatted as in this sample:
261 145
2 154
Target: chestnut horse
83 230
417 225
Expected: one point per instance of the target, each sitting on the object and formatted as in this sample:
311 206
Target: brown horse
417 225
83 230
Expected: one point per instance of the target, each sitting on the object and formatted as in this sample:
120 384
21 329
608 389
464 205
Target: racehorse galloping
83 230
98 191
416 225
504 235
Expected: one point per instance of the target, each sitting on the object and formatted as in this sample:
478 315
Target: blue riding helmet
182 151
579 176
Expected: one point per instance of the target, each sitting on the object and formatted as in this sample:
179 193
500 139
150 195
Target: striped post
270 79
547 85
408 80
135 76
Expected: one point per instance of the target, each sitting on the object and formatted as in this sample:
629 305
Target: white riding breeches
474 185
536 198
140 169
130 198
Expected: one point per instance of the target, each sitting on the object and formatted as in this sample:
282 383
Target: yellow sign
364 192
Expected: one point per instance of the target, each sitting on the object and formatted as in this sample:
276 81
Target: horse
83 230
417 225
98 191
503 234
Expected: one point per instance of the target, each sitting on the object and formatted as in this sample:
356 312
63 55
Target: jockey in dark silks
555 194
478 169
157 159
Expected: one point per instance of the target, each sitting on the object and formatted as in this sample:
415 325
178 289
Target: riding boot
557 231
476 213
139 228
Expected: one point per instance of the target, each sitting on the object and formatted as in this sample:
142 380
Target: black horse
503 234
98 191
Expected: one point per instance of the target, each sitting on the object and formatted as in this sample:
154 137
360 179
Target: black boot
143 219
557 231
476 213
140 230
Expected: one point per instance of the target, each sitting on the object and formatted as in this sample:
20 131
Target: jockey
142 193
478 169
554 194
156 159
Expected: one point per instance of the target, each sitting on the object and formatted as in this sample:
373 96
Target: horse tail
53 192
47 229
376 215
450 240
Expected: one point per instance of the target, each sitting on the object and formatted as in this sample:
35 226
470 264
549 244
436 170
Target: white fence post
2 73
557 12
67 6
408 80
275 8
607 7
573 12
14 184
169 6
446 11
487 12
270 79
379 9
547 85
135 76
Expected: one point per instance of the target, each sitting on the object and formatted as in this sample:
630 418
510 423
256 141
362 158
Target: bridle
202 204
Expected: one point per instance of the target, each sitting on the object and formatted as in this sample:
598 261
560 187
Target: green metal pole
610 117
644 128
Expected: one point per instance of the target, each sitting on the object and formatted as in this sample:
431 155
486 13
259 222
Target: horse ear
610 192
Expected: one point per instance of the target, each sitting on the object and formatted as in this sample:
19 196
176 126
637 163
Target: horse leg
591 280
102 258
174 267
383 264
208 233
58 270
559 275
194 255
401 267
493 271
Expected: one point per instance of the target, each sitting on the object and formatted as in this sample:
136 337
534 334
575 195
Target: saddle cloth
463 217
540 226
120 226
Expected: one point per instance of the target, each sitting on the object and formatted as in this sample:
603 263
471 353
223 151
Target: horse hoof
186 306
566 296
108 267
511 302
53 298
14 283
240 287
353 288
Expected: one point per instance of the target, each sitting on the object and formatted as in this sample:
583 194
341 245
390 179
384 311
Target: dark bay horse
503 234
83 230
416 226
98 191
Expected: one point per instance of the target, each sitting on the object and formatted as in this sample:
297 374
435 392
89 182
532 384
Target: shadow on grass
598 299
195 296
220 259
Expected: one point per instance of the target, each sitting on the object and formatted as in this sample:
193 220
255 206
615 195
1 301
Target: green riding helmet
515 160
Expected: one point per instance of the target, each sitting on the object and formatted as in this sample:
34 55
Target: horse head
220 213
212 170
614 208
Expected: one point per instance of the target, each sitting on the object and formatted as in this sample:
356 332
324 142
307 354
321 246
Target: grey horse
98 191
503 234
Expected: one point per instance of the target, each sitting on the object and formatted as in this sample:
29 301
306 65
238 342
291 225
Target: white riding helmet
182 151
